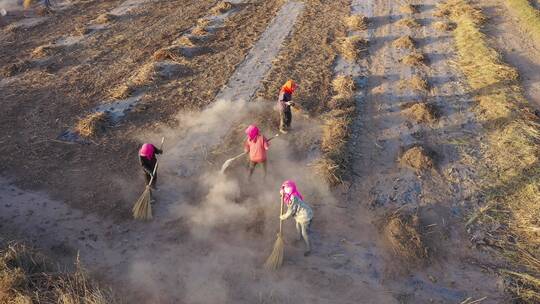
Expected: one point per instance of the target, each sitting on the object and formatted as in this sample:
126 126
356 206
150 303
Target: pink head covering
252 132
147 150
287 197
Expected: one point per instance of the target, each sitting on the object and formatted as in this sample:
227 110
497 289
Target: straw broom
142 210
228 162
275 260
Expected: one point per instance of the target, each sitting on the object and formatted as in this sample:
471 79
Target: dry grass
408 22
341 102
28 277
408 9
528 15
413 59
351 47
222 8
415 82
405 42
403 232
336 131
122 91
344 85
443 26
417 158
511 160
422 112
92 125
356 22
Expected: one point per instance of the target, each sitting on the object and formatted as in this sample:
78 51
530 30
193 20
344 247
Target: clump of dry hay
408 9
44 51
186 41
408 22
415 58
169 53
405 42
422 112
356 22
350 47
82 30
122 91
444 26
104 18
199 31
403 232
415 82
26 277
344 85
92 125
509 161
221 8
15 68
203 22
417 158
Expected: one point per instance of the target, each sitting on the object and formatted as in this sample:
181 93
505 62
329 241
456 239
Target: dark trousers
252 166
148 177
285 119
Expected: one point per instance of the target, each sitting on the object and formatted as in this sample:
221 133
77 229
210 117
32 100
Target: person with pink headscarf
148 160
256 146
300 210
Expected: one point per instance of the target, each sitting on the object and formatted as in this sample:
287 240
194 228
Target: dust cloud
231 220
10 4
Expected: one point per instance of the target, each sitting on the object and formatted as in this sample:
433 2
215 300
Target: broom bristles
275 260
142 210
226 165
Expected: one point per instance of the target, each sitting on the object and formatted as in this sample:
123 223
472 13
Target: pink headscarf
288 197
147 150
252 132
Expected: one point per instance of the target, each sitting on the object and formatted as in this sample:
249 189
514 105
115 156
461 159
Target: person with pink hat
297 208
256 146
148 160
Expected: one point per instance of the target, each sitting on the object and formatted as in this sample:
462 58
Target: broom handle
153 174
155 167
280 213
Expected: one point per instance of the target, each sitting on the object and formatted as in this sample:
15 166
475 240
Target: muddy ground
211 233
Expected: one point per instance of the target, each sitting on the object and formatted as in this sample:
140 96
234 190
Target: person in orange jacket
256 146
284 105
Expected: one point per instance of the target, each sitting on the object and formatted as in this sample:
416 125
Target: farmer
147 159
255 146
284 105
46 4
300 210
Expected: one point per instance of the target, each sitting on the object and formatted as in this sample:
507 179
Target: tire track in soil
380 134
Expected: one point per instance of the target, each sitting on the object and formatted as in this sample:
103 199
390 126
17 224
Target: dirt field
393 232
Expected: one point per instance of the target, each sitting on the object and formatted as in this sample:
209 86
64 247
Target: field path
382 132
516 46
